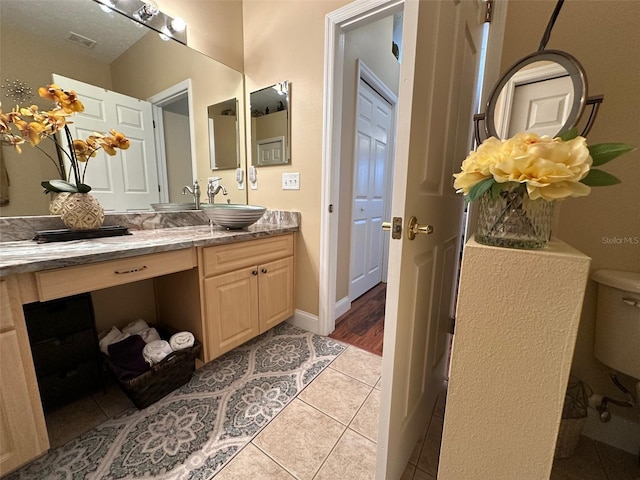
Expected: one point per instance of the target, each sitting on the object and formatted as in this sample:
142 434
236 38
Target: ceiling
47 19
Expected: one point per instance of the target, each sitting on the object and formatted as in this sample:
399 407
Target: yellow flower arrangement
549 168
32 125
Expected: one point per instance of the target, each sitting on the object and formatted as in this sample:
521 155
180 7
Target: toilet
617 337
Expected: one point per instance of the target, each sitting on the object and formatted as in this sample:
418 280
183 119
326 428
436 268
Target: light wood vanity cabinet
23 433
237 291
247 288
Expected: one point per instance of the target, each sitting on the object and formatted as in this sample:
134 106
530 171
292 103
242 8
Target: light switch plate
291 181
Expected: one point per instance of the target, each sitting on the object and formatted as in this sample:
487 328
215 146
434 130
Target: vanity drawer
66 281
227 258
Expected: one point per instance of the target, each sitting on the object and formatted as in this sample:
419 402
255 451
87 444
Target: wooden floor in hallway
363 324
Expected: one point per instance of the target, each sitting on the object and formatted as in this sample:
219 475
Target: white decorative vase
58 199
82 211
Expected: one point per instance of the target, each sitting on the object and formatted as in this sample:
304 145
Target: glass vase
513 220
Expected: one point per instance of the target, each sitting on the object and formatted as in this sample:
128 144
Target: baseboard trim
342 306
306 321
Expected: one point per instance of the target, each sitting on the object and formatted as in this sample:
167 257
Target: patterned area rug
194 431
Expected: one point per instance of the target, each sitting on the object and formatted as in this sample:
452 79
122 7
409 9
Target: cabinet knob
264 270
255 272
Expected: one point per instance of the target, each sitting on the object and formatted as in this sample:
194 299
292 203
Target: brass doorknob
414 228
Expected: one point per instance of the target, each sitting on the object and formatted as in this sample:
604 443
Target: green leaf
57 185
83 188
599 178
496 188
479 188
605 152
569 134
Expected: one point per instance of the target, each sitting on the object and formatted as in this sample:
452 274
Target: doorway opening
371 72
175 143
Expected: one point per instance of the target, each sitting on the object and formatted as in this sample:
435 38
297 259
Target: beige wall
31 62
371 44
604 36
214 27
284 40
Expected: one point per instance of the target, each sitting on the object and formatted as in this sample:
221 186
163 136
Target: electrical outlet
291 181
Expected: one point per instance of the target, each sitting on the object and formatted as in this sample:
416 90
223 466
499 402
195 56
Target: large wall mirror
270 125
78 40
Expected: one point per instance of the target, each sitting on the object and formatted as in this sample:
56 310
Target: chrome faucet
195 191
213 190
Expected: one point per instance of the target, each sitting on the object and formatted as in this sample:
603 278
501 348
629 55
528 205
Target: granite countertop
28 256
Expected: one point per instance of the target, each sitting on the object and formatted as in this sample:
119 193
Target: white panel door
442 42
127 181
541 106
371 161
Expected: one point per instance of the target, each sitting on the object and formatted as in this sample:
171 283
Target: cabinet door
231 309
276 292
23 434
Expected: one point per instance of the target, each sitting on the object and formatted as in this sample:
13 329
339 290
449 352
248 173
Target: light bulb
178 24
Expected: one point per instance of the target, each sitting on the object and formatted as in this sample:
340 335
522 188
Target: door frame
337 24
158 101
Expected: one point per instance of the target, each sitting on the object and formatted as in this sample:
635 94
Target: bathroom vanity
224 286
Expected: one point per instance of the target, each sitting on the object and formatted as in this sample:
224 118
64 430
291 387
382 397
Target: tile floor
330 431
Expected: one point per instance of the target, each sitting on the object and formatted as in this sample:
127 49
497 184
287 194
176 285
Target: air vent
81 40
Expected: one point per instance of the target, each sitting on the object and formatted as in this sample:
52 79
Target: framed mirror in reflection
271 125
106 52
223 135
544 92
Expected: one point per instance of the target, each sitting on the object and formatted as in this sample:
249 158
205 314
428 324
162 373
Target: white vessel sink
173 207
231 215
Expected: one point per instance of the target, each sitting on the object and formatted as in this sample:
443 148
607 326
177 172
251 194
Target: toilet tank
617 339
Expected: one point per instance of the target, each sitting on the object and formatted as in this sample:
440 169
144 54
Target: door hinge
488 11
331 208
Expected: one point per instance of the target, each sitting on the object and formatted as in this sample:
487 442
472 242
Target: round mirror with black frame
544 92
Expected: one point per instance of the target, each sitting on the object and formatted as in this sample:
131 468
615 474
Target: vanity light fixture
148 9
107 6
176 25
146 12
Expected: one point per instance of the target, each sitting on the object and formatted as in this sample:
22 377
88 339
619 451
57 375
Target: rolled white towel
136 326
112 336
149 335
181 340
155 352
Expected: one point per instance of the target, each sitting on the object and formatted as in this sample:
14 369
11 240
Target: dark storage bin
64 346
163 378
63 386
59 318
62 353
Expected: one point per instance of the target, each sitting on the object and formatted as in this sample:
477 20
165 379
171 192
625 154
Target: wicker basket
574 416
161 379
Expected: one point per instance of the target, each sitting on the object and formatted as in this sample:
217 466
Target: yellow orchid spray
31 125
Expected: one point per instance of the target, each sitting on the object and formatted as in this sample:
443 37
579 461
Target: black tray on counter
65 234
